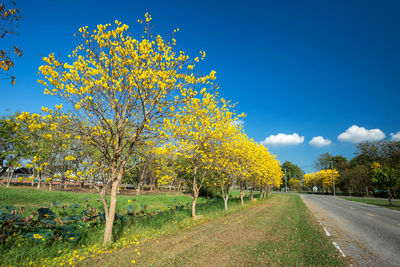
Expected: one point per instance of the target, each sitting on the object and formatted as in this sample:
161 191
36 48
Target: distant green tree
292 171
356 179
12 146
384 177
356 175
323 162
386 152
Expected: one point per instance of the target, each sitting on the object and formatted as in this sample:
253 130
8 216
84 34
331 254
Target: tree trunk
390 197
138 189
251 194
195 192
194 206
50 183
39 181
152 185
104 201
226 202
226 197
33 176
241 195
111 214
141 178
9 177
179 186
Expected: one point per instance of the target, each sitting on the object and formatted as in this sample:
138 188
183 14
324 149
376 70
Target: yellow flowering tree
196 129
119 89
36 133
225 151
326 177
48 146
145 164
243 145
321 179
311 180
295 184
265 170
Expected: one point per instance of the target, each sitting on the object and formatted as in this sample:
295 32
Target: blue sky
314 68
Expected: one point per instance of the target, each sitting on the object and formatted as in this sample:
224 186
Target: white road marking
326 232
335 244
338 248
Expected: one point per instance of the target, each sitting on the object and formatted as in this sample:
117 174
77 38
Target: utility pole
285 181
333 180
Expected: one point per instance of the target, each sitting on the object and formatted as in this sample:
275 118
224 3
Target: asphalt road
369 235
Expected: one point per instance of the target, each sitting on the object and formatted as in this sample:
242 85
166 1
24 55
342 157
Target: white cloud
283 140
357 134
238 122
319 141
395 137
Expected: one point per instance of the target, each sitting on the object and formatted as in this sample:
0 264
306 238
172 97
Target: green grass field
377 202
126 235
276 231
32 199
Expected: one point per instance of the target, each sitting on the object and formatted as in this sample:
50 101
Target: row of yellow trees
127 96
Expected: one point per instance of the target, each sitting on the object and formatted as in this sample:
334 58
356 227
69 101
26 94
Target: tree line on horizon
374 170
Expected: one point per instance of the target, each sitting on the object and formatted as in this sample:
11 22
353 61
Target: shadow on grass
394 206
377 202
178 213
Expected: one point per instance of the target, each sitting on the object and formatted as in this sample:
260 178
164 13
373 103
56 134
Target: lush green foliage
356 175
292 170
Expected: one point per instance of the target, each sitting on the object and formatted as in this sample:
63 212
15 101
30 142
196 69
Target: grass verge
376 202
277 231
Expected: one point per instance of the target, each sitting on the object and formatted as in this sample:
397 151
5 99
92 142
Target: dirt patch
207 245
